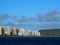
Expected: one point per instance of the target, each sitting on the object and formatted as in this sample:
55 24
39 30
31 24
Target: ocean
29 40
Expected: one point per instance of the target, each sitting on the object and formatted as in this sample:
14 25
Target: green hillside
50 32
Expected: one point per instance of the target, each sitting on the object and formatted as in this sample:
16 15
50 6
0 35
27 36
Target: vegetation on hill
50 32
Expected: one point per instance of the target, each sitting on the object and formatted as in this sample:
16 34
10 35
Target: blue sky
30 14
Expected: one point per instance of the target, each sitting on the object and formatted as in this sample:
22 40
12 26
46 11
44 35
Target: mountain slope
50 32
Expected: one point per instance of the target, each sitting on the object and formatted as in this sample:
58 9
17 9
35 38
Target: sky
30 14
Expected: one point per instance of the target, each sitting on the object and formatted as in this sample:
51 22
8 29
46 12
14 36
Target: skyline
32 14
17 32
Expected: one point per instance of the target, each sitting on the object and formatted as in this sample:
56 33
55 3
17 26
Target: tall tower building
33 33
14 31
1 31
22 32
29 33
39 34
17 31
36 33
9 30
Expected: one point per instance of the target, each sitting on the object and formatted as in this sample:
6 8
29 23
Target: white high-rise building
39 34
29 33
9 30
22 32
35 33
14 31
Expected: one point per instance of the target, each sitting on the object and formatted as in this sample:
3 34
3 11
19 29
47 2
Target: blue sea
29 40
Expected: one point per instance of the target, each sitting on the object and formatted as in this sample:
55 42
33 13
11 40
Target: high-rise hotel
1 30
22 32
9 31
14 31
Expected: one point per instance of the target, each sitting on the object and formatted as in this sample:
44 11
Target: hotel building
35 33
9 31
1 31
22 32
29 33
14 31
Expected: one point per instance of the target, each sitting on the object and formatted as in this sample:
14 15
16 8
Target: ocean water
29 40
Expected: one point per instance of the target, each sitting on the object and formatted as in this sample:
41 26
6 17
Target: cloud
22 19
25 19
10 24
52 15
49 16
40 17
3 16
52 12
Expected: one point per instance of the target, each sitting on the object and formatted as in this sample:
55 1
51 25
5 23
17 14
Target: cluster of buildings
17 32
